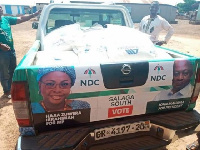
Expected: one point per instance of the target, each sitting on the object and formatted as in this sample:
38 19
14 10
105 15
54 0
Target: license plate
122 129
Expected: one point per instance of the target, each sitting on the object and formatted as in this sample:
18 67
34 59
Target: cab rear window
85 17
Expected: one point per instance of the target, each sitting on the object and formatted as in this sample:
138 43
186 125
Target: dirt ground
185 39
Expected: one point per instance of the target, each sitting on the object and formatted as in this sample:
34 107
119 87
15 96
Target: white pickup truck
92 81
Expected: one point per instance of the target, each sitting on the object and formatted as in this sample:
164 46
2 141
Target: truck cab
56 15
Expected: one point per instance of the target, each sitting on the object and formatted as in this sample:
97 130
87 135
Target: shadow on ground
4 101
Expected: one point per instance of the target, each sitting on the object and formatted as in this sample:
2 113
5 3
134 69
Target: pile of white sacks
112 44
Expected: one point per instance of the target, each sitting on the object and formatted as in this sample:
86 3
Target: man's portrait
181 87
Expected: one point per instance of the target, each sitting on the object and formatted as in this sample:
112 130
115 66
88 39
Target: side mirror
35 25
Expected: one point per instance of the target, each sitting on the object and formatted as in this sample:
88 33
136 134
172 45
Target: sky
32 2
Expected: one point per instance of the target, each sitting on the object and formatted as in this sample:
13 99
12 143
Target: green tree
187 6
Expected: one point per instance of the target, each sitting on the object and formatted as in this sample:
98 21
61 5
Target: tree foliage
187 6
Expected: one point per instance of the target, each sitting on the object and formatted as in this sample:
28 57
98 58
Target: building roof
18 2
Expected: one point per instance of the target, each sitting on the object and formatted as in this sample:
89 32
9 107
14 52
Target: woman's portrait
55 86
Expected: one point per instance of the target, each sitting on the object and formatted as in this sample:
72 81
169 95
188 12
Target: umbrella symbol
158 67
90 72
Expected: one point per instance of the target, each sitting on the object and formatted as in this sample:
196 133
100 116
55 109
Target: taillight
20 98
196 88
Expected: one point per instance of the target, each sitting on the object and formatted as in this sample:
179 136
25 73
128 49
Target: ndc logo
89 71
158 68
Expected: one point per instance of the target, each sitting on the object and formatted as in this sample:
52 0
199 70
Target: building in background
41 3
139 10
195 15
17 8
13 10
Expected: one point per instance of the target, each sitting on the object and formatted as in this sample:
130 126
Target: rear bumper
165 128
56 141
